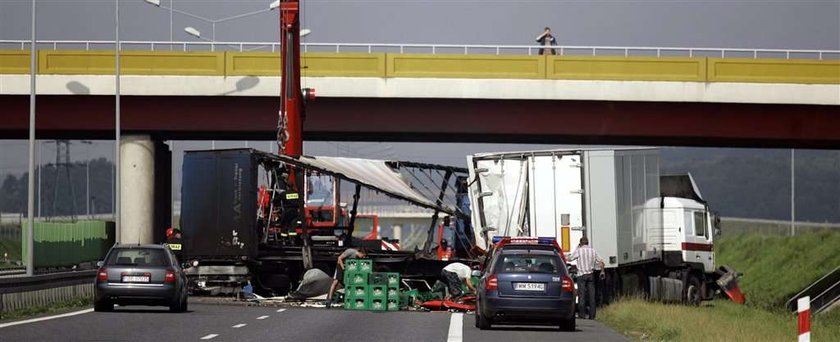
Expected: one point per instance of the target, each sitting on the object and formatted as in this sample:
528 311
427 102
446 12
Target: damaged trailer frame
224 238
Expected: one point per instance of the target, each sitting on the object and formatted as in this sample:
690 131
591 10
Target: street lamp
30 210
117 160
212 22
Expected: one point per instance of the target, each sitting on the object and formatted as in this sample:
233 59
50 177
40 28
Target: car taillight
102 275
492 283
170 276
568 284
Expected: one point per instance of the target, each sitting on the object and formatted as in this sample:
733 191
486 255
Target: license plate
135 279
529 287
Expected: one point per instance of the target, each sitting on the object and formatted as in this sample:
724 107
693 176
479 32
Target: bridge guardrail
561 50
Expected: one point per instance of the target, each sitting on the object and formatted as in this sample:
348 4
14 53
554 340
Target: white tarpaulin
371 173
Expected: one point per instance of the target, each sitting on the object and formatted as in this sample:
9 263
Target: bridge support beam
137 189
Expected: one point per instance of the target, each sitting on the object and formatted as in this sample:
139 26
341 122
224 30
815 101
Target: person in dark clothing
546 39
173 241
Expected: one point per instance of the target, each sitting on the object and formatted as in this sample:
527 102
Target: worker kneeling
453 275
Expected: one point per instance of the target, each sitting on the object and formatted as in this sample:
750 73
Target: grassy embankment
774 267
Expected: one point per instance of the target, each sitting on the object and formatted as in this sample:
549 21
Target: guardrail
824 292
562 50
22 292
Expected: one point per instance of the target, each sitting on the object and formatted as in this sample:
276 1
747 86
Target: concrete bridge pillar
137 178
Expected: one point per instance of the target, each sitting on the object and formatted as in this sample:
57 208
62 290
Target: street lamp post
30 210
117 176
212 22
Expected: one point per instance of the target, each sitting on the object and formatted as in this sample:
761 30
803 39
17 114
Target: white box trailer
652 238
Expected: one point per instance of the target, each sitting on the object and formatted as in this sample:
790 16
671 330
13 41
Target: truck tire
692 291
568 324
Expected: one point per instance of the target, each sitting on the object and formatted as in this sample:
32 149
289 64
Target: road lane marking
281 310
456 328
209 336
45 318
262 317
239 325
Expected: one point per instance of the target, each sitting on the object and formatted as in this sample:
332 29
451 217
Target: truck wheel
692 292
568 324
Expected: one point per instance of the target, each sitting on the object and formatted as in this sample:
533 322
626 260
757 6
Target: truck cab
687 231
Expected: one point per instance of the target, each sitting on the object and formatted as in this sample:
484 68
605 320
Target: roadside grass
12 247
78 303
777 267
717 320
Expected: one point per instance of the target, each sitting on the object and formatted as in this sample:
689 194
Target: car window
138 257
529 263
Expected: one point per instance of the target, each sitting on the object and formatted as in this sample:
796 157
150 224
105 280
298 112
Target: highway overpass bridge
644 96
598 95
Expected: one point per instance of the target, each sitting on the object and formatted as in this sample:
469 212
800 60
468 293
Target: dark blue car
526 282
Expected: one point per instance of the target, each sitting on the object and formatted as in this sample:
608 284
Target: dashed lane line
262 317
239 325
456 328
208 337
281 310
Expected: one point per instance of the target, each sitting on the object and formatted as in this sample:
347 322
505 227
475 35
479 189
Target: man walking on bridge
587 258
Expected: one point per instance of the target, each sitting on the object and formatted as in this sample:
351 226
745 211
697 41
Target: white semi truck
655 233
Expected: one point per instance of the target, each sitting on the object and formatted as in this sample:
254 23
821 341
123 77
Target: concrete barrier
101 62
313 64
14 62
627 68
465 66
800 71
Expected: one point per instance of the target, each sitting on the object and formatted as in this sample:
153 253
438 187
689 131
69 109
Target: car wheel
184 305
568 324
481 322
176 305
103 306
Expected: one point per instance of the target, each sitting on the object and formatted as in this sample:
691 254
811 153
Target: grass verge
717 320
60 307
777 267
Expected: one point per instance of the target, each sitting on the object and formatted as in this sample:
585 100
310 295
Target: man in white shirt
454 275
547 40
587 258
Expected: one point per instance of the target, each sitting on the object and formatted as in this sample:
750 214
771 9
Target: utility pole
792 193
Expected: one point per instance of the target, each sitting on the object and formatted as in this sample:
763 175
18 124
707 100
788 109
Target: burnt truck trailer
238 219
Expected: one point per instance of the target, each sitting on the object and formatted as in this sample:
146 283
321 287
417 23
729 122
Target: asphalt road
248 323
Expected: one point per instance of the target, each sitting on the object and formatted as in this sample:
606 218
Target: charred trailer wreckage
241 219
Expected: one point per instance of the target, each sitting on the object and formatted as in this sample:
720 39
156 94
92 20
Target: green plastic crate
355 278
378 305
378 278
393 292
393 279
358 265
393 304
408 297
356 291
378 292
356 303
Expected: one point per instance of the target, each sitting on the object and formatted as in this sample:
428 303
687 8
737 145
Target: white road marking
45 318
209 336
456 328
281 310
239 325
262 317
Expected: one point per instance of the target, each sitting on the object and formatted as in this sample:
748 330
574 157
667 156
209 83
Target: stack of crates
389 284
356 288
367 290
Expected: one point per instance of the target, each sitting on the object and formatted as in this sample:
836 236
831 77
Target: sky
790 24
